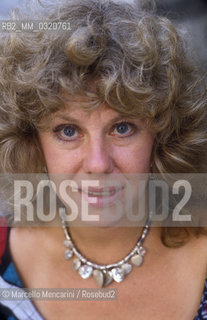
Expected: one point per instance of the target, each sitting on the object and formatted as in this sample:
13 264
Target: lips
101 192
100 197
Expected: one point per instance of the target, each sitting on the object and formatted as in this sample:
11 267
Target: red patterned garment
3 236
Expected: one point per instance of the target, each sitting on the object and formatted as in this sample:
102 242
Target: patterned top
24 309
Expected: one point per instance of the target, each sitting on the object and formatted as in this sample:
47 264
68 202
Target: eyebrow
79 122
67 118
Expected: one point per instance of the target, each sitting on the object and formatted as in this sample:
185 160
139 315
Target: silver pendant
118 274
107 278
85 271
68 254
76 264
68 244
137 260
99 277
141 251
127 267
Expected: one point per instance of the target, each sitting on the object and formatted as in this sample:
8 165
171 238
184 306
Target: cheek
62 161
58 159
137 158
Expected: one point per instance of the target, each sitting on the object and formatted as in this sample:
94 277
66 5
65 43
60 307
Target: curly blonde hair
137 63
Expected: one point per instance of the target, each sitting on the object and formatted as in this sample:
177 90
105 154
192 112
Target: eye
66 132
124 129
69 131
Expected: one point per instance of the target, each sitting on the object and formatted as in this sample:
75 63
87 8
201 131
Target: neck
105 245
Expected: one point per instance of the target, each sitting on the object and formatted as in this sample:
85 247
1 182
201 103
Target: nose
98 158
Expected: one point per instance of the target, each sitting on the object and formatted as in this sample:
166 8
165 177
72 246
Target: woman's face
96 142
102 145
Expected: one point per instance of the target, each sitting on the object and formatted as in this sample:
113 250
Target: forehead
83 108
84 112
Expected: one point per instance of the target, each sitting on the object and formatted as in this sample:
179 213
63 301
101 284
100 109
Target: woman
114 95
